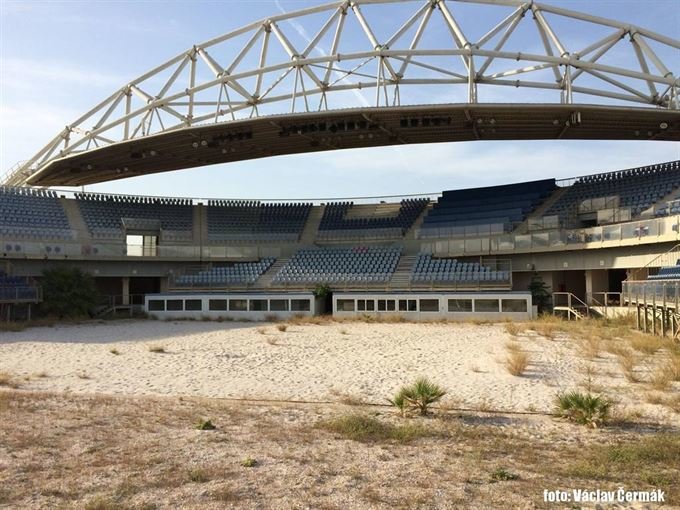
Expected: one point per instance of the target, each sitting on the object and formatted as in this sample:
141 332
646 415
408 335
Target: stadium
601 245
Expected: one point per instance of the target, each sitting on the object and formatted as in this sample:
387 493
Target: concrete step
309 233
75 219
265 280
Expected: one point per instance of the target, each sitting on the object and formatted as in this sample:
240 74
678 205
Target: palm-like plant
420 395
583 408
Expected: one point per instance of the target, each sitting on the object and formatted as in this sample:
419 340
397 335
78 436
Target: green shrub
68 292
503 475
205 425
249 462
419 396
583 408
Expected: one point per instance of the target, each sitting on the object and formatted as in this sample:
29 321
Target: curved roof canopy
375 72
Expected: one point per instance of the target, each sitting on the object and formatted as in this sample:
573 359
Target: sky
58 59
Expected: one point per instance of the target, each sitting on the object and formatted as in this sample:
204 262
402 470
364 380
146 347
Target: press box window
345 305
408 305
278 305
238 305
175 305
514 305
193 305
217 305
429 305
486 305
156 305
460 305
299 305
258 305
386 305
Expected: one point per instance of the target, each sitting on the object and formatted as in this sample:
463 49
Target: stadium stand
360 264
446 270
17 288
635 188
230 220
336 221
33 214
504 207
105 215
239 273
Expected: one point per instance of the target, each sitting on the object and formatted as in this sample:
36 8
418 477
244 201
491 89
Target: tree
68 292
540 294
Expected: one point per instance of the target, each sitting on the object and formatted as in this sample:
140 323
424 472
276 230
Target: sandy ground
310 362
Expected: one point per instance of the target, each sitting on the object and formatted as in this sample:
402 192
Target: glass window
460 305
156 305
408 305
361 305
429 305
382 305
175 305
258 305
193 305
370 305
300 305
278 305
514 305
345 305
238 305
391 305
217 305
486 305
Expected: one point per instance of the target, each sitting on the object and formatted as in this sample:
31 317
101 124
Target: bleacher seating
667 273
104 214
636 188
428 269
335 218
501 206
17 288
32 214
238 273
230 220
358 265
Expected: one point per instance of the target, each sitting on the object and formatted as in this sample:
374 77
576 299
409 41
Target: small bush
503 475
198 475
158 349
205 425
114 351
513 329
249 462
517 362
282 327
419 396
583 408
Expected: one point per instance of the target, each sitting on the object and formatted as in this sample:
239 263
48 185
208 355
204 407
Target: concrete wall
205 311
442 308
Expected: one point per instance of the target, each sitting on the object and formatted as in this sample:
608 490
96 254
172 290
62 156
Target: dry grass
272 340
9 380
346 398
158 349
647 344
114 351
517 361
628 361
282 327
307 456
513 329
262 331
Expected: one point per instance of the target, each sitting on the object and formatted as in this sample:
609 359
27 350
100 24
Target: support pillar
126 291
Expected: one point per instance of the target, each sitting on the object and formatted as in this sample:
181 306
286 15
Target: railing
667 259
21 294
653 292
568 302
